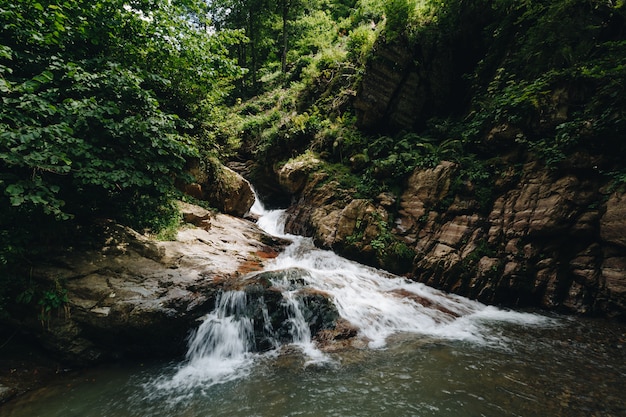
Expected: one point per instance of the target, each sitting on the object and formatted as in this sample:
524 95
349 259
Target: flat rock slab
135 295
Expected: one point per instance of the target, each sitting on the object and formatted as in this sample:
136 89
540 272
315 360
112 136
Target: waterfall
377 303
226 333
219 350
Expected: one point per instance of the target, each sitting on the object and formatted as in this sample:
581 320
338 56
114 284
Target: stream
442 355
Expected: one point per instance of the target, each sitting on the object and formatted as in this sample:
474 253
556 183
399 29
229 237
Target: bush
360 43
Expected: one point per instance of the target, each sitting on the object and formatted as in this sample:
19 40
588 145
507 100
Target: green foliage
564 88
89 93
360 43
60 141
397 13
53 299
357 186
390 253
316 30
618 180
393 254
102 104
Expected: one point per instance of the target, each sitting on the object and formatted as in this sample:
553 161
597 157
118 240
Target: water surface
575 368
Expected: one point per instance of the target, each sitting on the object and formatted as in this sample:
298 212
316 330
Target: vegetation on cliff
407 84
104 102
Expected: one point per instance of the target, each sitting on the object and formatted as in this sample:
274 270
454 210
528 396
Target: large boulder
272 296
230 193
219 185
293 175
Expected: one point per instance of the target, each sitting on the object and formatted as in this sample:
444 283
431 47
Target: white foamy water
376 302
380 304
219 350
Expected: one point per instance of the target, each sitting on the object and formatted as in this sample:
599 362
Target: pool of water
572 367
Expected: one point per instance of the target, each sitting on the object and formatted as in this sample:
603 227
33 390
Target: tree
253 17
398 13
288 8
101 105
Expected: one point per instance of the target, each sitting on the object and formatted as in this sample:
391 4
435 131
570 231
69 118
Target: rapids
379 304
423 353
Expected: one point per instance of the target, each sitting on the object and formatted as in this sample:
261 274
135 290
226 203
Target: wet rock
342 336
271 300
6 393
549 238
293 175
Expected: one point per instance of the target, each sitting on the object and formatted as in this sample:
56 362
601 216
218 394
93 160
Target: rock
342 336
411 81
386 200
265 181
134 296
230 193
542 206
122 303
5 393
503 136
614 275
196 215
393 73
222 187
292 176
271 309
424 189
613 222
359 218
549 240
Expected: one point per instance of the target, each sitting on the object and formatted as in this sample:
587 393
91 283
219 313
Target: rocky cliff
487 173
554 240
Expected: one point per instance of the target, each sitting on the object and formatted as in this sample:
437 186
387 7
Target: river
442 356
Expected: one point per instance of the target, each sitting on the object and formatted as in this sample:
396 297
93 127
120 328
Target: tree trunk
283 57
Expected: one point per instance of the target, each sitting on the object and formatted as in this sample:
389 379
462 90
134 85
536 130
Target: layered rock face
544 242
550 240
406 84
536 236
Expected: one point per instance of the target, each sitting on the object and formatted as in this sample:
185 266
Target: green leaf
5 87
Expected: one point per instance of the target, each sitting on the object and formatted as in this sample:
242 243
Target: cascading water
515 364
219 349
379 304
